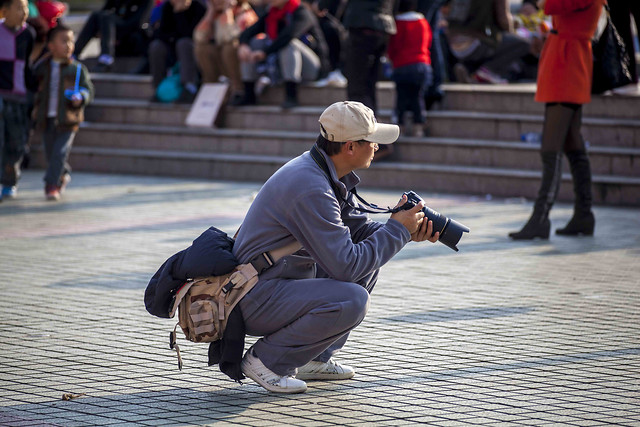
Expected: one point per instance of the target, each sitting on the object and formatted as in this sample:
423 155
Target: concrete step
512 98
455 124
443 151
458 124
393 175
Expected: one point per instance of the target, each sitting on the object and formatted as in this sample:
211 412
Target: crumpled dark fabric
209 255
227 352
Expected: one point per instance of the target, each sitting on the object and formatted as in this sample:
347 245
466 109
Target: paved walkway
499 333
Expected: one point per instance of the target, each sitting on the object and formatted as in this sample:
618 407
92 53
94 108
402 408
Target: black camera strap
317 156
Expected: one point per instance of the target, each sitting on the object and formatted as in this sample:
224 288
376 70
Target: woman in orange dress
565 72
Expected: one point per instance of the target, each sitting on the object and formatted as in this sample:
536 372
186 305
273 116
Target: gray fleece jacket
298 203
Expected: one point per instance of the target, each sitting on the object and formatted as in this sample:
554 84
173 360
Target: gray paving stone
506 333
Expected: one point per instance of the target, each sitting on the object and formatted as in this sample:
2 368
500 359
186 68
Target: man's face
15 13
62 45
363 154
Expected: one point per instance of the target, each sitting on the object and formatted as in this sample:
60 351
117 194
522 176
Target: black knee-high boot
538 224
583 221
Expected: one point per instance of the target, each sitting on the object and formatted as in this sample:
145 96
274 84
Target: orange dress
565 69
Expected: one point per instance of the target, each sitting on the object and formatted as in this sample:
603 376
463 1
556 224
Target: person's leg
297 63
228 59
207 61
249 74
511 48
48 137
89 31
362 62
186 57
16 123
107 26
299 319
558 119
158 52
61 142
582 221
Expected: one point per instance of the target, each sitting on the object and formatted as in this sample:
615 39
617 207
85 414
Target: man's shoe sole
325 377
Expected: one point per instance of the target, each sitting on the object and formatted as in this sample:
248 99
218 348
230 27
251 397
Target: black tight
561 129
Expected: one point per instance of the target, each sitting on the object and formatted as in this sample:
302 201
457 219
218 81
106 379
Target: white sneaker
330 370
253 368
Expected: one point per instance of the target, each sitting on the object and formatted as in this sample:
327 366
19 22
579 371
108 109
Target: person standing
369 24
16 43
59 106
409 52
564 85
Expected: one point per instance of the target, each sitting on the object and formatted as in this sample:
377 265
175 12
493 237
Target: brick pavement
543 333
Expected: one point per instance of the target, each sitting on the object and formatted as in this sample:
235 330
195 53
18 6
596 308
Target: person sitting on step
286 24
173 41
216 41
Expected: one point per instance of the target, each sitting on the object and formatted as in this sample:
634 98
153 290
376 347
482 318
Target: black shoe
534 228
579 224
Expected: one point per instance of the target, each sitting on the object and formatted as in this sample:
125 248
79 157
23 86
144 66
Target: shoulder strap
322 163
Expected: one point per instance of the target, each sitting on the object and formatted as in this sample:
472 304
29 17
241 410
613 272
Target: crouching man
305 305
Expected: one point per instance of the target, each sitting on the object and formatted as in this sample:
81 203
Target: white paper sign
207 104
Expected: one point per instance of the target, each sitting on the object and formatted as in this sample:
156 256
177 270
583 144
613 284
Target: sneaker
253 368
330 370
9 191
484 75
52 193
64 181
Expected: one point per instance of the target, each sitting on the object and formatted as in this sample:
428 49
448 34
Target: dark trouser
431 10
498 59
332 31
304 319
362 63
103 23
620 15
14 131
411 81
57 146
160 54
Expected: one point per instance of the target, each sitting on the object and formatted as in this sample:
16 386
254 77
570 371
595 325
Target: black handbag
610 60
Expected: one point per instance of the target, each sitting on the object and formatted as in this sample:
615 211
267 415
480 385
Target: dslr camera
450 230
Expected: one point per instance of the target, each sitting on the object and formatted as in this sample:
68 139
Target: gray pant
297 62
301 320
498 59
14 130
159 54
57 146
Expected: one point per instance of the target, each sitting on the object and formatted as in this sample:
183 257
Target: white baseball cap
353 121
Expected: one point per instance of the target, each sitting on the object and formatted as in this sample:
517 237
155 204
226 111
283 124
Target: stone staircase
473 144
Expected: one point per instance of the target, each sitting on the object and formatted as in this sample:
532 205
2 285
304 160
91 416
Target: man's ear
350 146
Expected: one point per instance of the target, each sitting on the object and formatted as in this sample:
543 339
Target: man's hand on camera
424 231
411 218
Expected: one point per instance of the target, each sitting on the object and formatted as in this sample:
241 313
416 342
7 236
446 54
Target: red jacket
565 69
412 41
